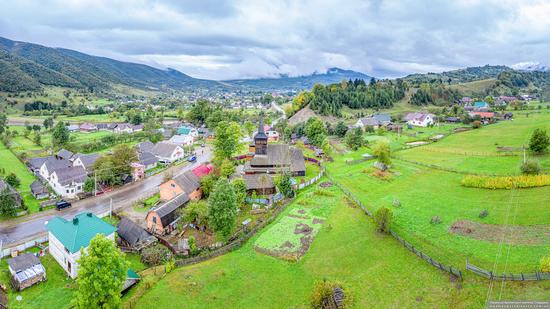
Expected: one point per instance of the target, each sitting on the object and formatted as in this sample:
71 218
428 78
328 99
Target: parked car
192 159
203 145
62 204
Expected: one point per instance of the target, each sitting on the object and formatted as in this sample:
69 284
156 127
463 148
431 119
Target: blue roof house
67 237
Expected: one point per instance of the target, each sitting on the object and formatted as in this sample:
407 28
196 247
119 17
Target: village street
28 227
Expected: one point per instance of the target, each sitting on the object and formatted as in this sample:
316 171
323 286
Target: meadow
375 268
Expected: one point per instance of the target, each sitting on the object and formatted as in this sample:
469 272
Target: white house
68 181
66 238
128 128
51 164
420 119
167 152
182 140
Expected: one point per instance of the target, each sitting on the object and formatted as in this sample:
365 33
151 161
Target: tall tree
222 207
101 274
8 205
354 138
226 142
3 122
315 131
122 156
382 152
539 141
60 135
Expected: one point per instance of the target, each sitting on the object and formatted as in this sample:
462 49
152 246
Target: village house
64 154
145 146
86 161
420 119
34 164
137 170
148 160
87 127
67 237
182 140
133 236
51 164
167 152
187 183
128 128
187 130
73 127
484 117
39 190
69 181
375 121
479 106
275 158
26 270
163 219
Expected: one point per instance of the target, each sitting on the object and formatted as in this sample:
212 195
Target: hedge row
506 182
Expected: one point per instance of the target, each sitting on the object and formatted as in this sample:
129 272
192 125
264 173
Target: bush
156 255
323 292
383 218
545 264
476 124
531 167
506 182
539 141
484 214
435 220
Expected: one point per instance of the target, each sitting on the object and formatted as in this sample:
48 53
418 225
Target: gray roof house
85 160
148 160
162 219
145 146
34 164
167 152
69 181
64 154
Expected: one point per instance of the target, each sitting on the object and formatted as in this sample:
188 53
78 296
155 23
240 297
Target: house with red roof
203 170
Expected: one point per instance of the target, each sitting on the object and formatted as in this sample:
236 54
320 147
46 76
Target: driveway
26 228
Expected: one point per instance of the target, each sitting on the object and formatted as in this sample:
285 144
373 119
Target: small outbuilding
39 190
131 279
134 236
262 184
26 270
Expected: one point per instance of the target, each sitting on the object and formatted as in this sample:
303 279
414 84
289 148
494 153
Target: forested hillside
329 100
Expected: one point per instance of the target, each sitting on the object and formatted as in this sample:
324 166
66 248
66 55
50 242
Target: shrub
545 264
476 124
322 294
539 141
506 182
383 218
435 220
156 255
531 167
484 214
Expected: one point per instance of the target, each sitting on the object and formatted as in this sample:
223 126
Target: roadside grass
375 268
11 164
147 204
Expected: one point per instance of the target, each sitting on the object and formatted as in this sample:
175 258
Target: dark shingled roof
279 155
38 188
147 158
163 149
145 146
36 163
167 211
188 181
258 181
132 232
64 154
68 175
23 262
53 164
87 159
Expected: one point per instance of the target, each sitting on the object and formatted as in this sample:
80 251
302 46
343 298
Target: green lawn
378 271
11 164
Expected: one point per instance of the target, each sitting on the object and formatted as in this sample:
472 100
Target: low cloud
247 38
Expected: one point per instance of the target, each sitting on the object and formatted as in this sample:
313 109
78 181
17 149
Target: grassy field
11 164
475 151
376 269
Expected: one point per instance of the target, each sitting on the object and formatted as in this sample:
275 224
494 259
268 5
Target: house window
79 188
67 190
154 219
173 185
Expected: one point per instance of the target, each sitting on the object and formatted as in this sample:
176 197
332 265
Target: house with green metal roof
67 237
185 130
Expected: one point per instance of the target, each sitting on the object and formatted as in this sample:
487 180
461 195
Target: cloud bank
217 39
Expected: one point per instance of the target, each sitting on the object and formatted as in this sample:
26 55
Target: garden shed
134 236
26 270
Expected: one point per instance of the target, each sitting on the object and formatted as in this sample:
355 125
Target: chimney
75 221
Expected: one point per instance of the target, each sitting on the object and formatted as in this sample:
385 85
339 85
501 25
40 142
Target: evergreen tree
539 141
222 207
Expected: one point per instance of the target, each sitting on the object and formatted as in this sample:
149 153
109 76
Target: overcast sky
218 39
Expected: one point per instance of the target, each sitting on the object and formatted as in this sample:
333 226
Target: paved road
28 227
278 108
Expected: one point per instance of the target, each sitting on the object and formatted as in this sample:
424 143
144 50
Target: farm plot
291 237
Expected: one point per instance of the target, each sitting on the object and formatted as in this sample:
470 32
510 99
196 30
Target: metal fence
450 269
536 276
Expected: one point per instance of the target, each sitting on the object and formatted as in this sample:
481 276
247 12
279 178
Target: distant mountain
27 66
531 67
465 75
287 83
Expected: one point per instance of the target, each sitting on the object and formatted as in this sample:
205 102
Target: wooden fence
536 276
450 269
311 181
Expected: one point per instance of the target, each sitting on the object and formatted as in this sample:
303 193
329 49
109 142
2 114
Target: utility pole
95 183
111 208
